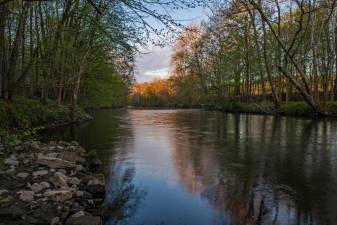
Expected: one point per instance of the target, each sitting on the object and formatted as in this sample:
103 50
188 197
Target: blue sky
153 62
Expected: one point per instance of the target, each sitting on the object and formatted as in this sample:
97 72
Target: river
194 167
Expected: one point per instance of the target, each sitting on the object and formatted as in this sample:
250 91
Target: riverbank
22 118
292 108
50 183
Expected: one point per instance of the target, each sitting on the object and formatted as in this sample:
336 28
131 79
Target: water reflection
194 167
122 196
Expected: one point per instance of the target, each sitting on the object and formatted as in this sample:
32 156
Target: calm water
191 167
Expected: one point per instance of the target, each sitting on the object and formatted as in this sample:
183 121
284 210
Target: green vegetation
58 55
22 118
254 51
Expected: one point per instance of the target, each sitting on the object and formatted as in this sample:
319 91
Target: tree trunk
3 60
13 61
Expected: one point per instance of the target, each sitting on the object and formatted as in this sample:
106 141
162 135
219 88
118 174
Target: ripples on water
192 167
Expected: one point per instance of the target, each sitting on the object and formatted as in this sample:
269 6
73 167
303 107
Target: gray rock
55 163
40 173
79 214
26 196
84 220
22 175
11 161
59 180
36 187
55 221
45 184
79 193
4 192
59 195
52 155
59 147
79 168
63 171
75 181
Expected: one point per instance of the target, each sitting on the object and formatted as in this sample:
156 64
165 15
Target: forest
267 55
57 56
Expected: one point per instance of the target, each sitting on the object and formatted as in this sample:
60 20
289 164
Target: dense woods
255 51
60 54
65 49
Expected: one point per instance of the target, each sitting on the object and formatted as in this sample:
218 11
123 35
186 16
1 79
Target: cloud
153 62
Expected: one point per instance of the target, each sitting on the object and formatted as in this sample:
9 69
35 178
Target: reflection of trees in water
260 169
122 198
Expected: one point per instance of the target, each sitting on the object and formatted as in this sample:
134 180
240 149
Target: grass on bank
21 119
299 108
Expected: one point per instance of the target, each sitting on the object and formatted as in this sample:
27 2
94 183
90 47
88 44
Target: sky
153 62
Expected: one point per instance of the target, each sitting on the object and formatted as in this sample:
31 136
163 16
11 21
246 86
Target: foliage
21 119
255 51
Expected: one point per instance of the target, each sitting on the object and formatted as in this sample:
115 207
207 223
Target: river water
194 167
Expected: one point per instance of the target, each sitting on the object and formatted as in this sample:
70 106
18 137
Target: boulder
55 163
59 180
55 221
59 195
40 173
12 161
84 220
22 175
96 184
79 214
63 171
26 196
74 181
4 192
79 168
36 187
45 184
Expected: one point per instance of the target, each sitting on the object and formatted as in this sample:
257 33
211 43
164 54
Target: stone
55 163
22 175
52 155
59 195
40 173
26 196
58 180
59 147
84 220
78 214
96 184
36 187
79 194
45 184
4 192
79 168
6 200
55 221
75 181
63 171
11 162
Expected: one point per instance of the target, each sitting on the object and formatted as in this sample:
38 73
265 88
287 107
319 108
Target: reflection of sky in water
195 167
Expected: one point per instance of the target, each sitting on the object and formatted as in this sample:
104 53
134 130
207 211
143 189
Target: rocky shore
50 184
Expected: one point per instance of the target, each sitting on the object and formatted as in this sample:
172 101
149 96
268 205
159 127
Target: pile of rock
50 184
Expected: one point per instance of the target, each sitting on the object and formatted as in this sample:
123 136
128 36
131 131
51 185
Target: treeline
75 51
257 51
